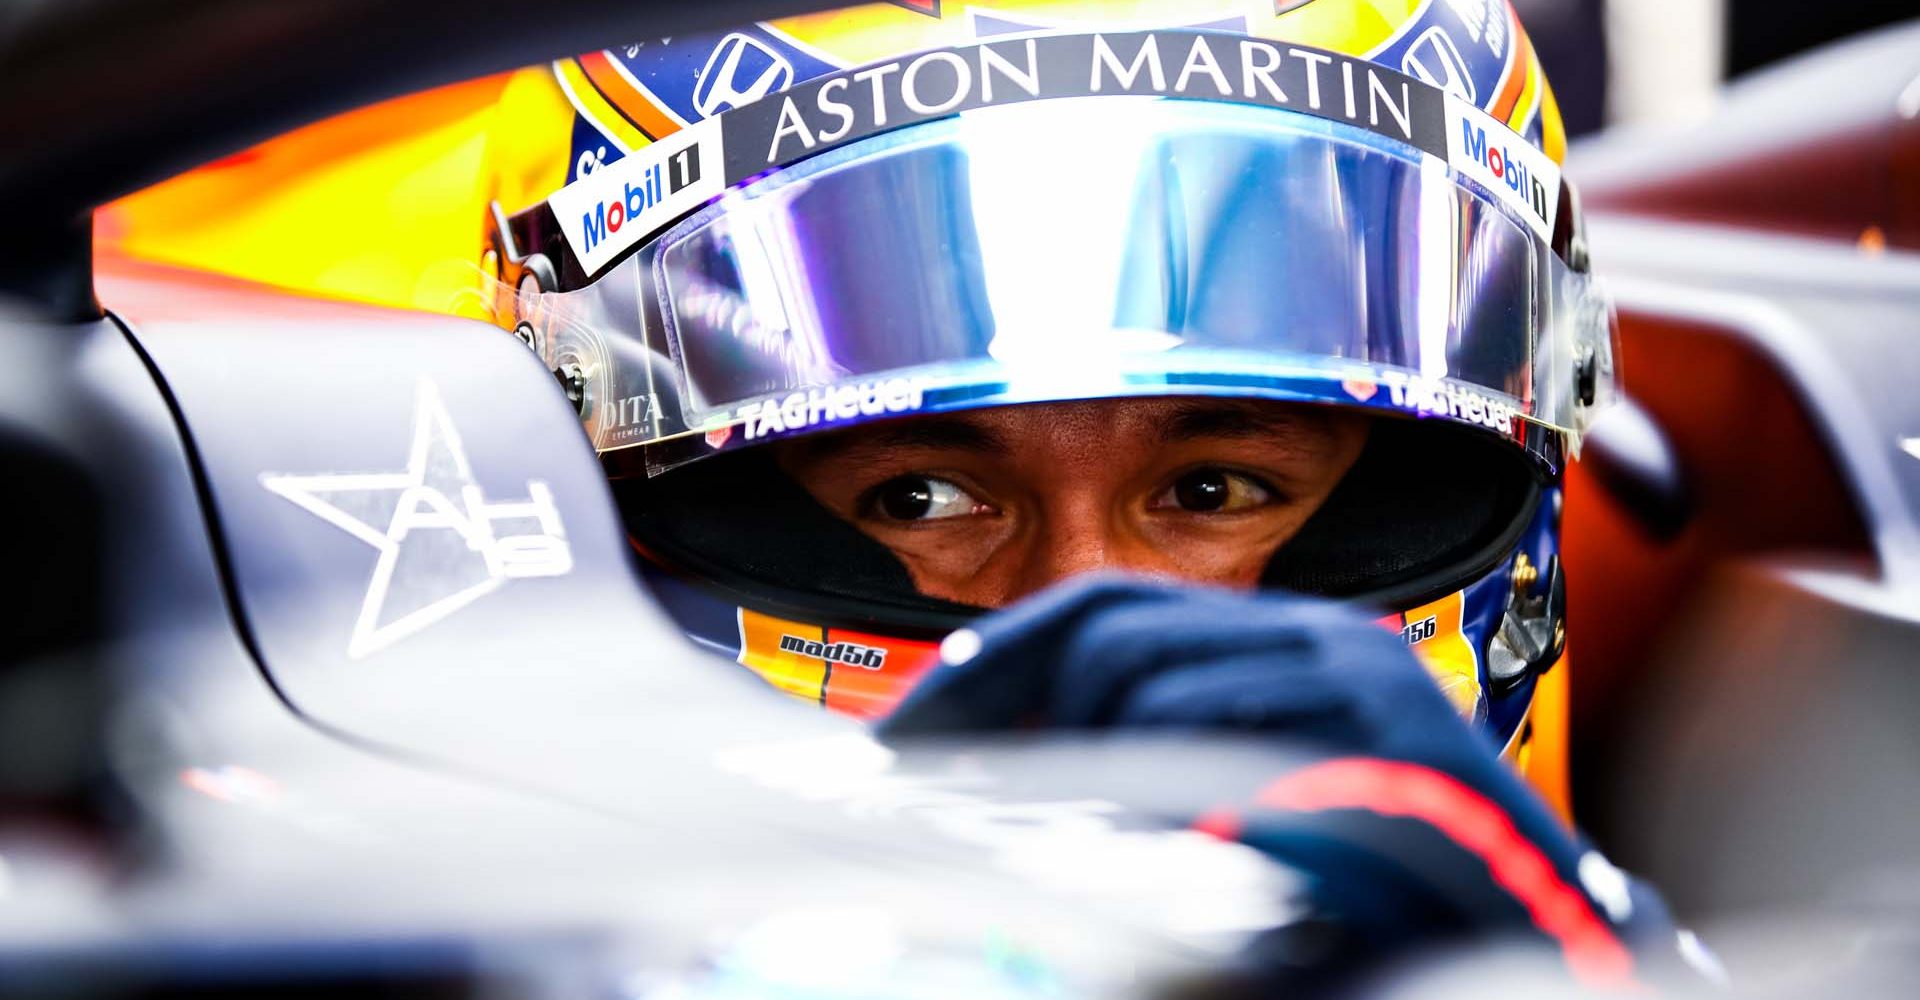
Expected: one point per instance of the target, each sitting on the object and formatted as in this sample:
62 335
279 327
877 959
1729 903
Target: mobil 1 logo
616 207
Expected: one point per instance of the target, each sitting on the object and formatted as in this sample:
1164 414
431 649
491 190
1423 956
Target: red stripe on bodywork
1595 955
1221 824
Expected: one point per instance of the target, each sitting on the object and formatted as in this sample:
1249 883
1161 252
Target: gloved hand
1407 784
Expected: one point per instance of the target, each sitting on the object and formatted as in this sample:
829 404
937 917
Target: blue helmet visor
1087 248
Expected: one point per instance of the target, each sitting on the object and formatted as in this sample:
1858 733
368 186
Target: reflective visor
1085 248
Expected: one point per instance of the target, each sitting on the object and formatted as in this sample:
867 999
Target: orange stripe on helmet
628 98
871 689
586 99
1513 83
761 650
1529 103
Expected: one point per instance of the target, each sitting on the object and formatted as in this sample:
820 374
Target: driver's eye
1213 491
920 498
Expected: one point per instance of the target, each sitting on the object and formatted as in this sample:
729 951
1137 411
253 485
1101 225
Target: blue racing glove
1404 781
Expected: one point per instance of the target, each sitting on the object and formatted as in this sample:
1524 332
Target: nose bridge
1079 534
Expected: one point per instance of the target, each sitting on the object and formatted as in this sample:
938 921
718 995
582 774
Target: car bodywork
253 704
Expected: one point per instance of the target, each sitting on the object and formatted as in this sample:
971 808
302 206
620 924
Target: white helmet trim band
619 207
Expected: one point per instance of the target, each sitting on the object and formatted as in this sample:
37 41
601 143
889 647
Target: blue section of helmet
707 619
696 76
701 75
1486 603
1460 46
1536 132
591 149
1482 603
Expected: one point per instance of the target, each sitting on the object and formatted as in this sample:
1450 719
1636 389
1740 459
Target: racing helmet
809 224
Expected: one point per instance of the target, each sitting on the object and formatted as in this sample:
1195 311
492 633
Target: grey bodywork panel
550 762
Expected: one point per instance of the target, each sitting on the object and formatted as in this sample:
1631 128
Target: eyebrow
919 432
1232 419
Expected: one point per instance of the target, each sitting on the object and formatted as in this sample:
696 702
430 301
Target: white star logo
433 528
